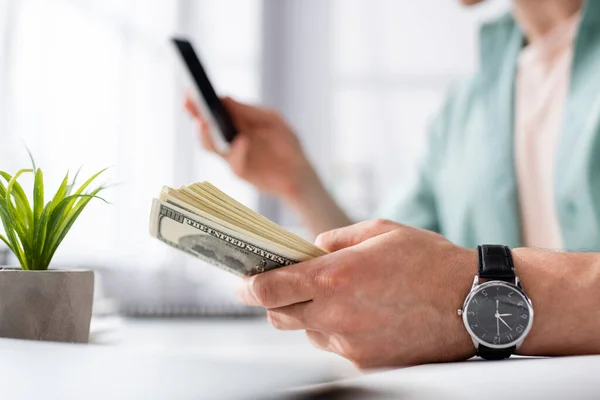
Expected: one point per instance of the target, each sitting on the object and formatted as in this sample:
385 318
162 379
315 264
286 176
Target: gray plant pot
53 305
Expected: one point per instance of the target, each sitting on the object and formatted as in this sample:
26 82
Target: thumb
352 235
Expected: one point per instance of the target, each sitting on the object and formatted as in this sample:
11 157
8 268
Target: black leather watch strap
495 263
495 354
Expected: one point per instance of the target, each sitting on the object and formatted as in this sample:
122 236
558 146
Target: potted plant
37 302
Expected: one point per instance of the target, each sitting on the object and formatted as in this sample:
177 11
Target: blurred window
95 83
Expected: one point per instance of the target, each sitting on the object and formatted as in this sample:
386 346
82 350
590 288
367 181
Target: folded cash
205 222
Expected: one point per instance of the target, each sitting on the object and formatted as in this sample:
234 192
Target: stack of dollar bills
205 222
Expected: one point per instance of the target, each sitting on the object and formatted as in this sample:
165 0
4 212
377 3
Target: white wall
389 65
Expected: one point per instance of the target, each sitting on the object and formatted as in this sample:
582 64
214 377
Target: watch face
497 314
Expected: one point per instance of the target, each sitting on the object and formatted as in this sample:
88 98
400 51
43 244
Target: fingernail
319 241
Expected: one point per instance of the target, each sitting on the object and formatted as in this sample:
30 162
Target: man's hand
267 154
387 295
264 141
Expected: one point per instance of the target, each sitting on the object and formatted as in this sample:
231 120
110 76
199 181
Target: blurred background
94 83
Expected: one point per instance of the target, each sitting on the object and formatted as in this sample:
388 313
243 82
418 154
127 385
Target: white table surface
174 352
236 339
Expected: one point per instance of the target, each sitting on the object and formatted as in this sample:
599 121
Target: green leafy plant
35 230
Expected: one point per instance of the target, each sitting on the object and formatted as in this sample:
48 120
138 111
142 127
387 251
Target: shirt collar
500 40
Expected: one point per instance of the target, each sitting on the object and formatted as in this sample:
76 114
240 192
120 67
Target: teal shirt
466 188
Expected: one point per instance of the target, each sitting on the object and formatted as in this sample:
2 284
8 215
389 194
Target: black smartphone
222 127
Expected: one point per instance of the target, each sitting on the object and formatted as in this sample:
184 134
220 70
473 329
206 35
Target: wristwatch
497 313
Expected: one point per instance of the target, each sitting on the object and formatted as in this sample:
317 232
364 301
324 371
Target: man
389 294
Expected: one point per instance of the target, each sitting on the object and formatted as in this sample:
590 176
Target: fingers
318 339
341 238
203 128
310 315
241 113
190 106
290 318
297 317
205 137
318 278
237 157
245 115
281 287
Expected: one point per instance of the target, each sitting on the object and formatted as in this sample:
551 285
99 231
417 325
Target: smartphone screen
206 93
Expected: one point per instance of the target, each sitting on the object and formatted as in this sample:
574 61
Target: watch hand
497 324
504 322
504 315
497 301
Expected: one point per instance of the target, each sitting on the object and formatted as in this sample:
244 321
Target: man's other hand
387 295
265 153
